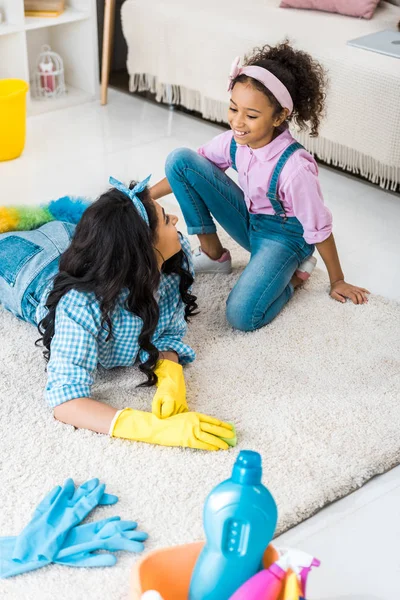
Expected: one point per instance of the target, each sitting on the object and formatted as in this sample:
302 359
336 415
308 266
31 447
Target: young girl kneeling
276 212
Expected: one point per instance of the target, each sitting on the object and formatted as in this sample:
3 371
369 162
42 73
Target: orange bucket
169 570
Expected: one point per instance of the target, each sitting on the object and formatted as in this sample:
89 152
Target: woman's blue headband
132 194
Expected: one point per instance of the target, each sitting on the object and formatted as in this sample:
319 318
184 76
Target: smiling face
252 116
168 241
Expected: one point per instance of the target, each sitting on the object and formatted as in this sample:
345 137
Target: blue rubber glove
63 508
109 534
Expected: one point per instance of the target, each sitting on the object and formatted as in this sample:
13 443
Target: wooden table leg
108 32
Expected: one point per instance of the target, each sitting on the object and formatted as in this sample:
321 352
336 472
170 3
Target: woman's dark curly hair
112 250
303 76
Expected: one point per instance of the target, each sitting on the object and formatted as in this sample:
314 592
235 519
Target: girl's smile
240 134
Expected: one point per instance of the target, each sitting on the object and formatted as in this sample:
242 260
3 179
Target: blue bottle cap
247 468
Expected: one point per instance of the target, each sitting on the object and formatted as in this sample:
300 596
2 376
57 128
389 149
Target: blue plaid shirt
79 343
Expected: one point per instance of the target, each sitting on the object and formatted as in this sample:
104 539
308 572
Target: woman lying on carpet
276 212
113 289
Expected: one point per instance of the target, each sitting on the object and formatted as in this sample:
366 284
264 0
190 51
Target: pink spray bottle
269 583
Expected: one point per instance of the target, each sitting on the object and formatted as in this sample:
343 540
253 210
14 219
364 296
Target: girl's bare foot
296 281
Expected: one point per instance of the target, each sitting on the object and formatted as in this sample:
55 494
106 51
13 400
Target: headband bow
132 194
235 72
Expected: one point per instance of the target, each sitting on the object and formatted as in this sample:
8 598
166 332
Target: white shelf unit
70 15
73 35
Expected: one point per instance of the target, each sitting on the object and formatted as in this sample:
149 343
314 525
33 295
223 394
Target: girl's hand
340 290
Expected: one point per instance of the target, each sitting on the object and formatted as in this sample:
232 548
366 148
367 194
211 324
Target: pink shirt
298 185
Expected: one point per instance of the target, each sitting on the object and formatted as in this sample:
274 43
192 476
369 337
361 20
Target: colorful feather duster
23 218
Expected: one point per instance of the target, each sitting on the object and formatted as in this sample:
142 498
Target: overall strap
233 153
272 193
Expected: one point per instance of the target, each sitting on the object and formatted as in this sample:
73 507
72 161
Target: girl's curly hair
304 77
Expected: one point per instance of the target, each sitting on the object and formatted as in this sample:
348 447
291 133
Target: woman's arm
86 413
160 189
189 429
340 290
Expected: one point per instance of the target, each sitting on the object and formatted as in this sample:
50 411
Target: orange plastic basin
169 570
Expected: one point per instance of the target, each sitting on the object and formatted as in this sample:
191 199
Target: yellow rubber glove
170 398
192 430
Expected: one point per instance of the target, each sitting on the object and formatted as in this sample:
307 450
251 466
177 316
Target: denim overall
276 242
28 262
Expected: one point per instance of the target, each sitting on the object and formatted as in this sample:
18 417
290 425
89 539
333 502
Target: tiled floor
357 542
74 151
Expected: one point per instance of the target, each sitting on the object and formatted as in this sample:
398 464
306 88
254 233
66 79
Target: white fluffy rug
316 393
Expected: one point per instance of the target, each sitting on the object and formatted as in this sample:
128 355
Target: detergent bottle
240 517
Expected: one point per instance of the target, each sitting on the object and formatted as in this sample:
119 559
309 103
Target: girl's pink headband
272 83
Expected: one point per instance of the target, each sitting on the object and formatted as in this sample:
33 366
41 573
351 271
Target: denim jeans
276 245
28 262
